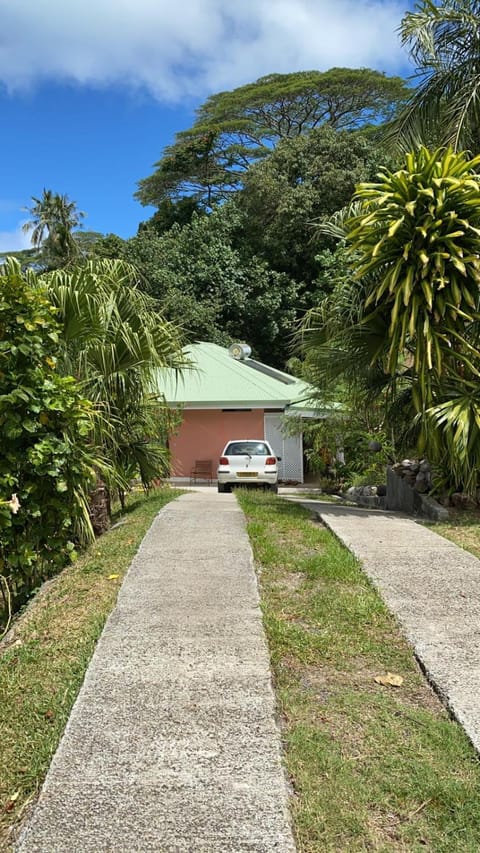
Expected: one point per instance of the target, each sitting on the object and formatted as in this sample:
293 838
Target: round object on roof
240 351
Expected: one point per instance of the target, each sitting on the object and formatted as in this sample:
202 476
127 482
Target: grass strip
374 768
42 671
462 528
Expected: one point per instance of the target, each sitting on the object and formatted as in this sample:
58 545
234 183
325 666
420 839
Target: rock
462 501
381 490
421 483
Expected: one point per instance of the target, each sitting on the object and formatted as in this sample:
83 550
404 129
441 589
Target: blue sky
91 93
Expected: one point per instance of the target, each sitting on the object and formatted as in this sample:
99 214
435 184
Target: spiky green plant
416 242
402 322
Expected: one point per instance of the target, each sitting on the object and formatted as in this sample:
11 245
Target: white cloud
194 47
14 241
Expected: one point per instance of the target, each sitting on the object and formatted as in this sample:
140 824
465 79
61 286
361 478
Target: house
227 394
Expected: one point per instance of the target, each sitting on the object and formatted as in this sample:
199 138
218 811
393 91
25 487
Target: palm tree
53 219
444 43
42 213
116 344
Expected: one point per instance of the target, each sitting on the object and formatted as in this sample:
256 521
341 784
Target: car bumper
232 478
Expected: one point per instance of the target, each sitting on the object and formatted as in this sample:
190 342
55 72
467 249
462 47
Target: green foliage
234 129
109 246
27 258
250 268
202 282
450 434
171 213
416 241
44 424
54 217
402 323
116 344
347 433
444 42
303 180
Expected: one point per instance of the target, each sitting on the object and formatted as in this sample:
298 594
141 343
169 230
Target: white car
247 461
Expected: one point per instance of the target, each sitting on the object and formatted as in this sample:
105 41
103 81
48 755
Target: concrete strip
172 744
433 588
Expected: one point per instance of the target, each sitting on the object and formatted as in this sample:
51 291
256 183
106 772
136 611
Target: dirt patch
415 692
291 581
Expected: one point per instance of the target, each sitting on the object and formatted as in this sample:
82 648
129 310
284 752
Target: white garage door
290 448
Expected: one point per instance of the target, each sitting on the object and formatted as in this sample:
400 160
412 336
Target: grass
373 768
463 528
43 669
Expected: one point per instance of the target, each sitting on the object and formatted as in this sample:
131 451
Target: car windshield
247 448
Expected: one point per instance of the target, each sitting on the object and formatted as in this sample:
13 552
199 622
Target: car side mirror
279 458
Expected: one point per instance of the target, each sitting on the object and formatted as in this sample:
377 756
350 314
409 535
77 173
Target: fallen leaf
113 577
389 680
49 715
11 801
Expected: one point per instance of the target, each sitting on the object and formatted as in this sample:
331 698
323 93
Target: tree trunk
99 507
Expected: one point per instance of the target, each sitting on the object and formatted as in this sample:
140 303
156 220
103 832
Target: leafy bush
44 457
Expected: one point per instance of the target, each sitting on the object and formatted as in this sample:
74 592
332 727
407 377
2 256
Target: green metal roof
217 380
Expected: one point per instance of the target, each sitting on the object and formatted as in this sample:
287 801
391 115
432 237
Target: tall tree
301 181
53 220
234 129
444 42
202 281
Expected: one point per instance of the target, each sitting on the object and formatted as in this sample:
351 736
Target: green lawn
41 672
463 528
374 768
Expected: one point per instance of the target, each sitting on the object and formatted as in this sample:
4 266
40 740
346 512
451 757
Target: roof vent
240 351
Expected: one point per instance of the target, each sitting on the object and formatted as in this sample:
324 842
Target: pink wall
205 432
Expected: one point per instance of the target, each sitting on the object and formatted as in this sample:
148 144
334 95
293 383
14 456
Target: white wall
290 448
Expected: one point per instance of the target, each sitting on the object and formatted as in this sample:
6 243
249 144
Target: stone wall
403 495
368 496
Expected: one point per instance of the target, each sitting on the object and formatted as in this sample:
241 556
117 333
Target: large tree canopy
202 281
234 129
303 180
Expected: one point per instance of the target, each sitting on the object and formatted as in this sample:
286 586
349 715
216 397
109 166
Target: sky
91 92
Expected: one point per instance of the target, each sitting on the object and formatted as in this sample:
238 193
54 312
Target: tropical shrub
403 323
114 341
44 457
